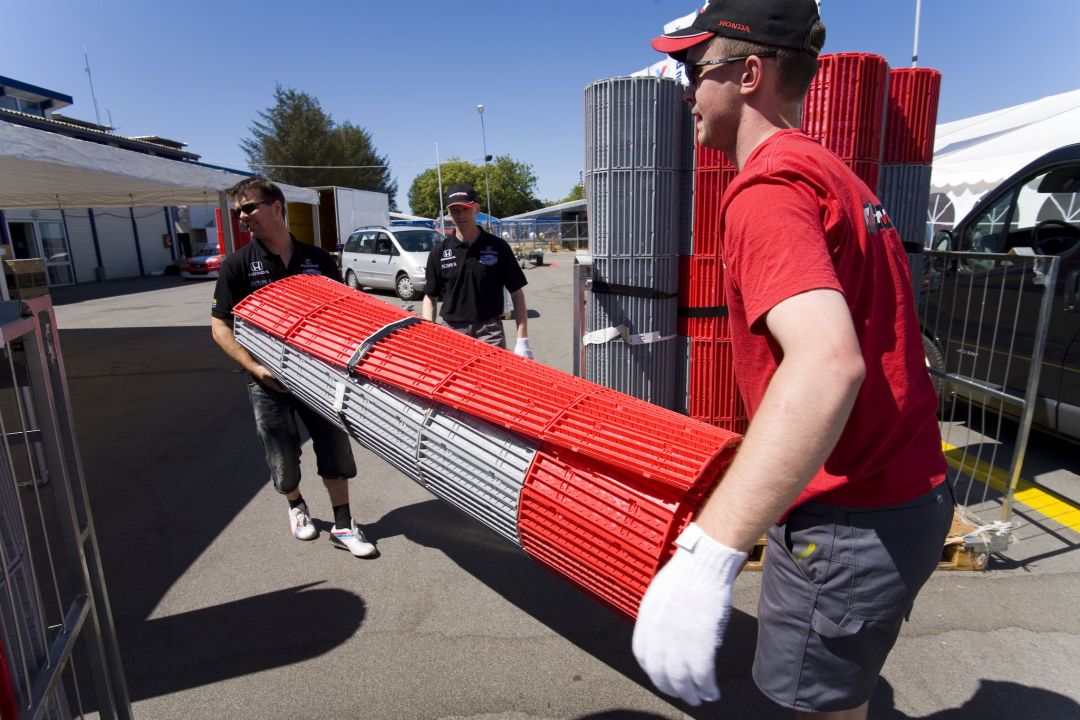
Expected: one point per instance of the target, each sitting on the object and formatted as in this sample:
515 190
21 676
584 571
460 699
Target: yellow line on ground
1043 501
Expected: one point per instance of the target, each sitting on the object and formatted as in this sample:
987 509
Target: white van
390 258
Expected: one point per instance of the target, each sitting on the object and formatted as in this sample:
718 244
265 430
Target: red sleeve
774 245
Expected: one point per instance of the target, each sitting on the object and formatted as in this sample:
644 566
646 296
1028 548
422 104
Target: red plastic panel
709 187
707 159
714 395
912 116
606 531
643 438
868 171
845 105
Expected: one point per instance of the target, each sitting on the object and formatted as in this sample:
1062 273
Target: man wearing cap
841 465
468 271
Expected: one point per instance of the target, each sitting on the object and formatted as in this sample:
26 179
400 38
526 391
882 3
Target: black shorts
837 584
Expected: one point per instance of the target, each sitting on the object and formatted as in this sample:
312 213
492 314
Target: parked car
389 258
1034 212
205 264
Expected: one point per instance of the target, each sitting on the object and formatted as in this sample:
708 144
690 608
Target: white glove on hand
682 617
521 347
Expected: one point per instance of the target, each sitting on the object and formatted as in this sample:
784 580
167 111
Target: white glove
521 347
682 617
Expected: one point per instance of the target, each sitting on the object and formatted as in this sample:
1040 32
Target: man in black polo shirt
468 272
274 254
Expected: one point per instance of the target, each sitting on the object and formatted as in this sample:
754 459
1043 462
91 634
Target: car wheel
404 287
935 360
351 281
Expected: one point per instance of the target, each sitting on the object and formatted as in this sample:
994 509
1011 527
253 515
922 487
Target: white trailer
342 210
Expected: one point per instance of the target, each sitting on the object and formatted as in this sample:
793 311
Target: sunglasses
248 208
693 76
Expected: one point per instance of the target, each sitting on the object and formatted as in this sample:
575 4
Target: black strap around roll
605 288
703 312
382 332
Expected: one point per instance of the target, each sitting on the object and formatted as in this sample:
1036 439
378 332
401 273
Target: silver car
390 258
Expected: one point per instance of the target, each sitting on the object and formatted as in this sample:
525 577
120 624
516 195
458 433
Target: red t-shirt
795 219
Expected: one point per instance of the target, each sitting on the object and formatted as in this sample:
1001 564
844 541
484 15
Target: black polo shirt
469 280
253 266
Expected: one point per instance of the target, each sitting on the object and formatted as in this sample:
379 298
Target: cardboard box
26 278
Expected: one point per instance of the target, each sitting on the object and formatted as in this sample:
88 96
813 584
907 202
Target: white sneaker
300 523
353 540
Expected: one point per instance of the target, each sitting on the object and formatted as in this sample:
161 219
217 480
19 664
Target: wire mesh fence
59 653
985 319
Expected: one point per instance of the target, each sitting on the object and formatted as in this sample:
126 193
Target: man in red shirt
842 463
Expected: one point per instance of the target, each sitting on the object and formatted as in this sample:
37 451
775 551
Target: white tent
973 155
40 169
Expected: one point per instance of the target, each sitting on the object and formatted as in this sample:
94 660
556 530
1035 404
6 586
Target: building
94 204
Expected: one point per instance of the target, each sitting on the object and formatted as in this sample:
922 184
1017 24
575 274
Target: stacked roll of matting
638 160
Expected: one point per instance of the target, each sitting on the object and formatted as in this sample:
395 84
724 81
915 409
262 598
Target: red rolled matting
330 321
911 118
711 375
604 530
706 158
709 187
714 396
869 171
845 105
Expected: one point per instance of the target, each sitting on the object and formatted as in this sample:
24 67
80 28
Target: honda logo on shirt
257 266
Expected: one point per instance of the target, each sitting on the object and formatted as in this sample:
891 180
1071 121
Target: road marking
1046 502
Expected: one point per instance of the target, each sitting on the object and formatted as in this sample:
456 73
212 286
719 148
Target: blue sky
412 73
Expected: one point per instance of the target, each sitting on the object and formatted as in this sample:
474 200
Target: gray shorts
275 421
837 585
489 331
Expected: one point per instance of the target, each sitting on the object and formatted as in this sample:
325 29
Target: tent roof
981 151
41 169
549 210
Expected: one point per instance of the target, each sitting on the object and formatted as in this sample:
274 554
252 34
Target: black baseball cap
461 194
776 23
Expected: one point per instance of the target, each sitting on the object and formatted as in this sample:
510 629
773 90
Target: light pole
487 187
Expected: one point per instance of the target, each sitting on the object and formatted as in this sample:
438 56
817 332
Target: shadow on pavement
67 294
161 417
238 638
993 699
533 589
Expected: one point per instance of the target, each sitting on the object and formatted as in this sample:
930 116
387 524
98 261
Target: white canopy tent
40 169
973 155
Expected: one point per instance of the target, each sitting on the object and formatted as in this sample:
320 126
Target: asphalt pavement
221 613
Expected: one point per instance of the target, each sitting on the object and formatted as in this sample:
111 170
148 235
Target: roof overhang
41 169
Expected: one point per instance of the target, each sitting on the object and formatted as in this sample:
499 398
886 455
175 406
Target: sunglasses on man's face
248 208
693 74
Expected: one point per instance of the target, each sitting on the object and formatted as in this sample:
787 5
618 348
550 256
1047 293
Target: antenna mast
97 115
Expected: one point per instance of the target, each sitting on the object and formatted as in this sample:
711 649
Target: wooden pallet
957 557
954 556
756 560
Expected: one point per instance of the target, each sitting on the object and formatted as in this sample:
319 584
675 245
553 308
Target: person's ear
752 76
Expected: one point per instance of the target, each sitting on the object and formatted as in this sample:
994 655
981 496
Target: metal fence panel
59 643
985 318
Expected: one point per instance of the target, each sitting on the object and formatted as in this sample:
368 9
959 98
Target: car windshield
416 240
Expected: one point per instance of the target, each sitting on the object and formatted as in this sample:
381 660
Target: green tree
295 142
512 185
424 191
370 170
576 193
